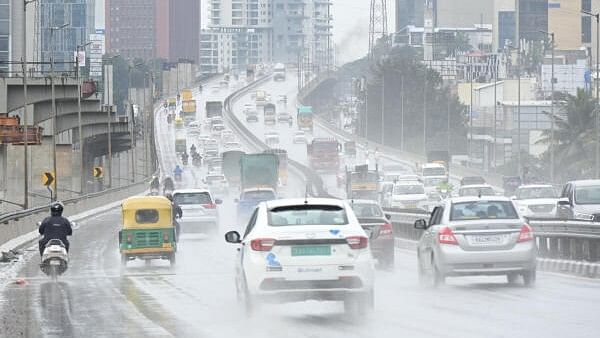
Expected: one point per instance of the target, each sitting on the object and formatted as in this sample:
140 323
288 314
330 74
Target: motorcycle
197 161
178 178
154 191
55 259
184 160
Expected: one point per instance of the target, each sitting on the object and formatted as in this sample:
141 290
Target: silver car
580 200
200 213
476 236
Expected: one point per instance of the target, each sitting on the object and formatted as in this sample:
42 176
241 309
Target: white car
271 137
200 213
216 130
304 249
536 200
408 195
234 145
217 184
476 190
299 137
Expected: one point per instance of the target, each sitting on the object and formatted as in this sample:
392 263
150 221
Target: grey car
580 200
476 236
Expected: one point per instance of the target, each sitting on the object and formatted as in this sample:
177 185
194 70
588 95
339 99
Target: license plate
487 239
320 250
166 245
54 262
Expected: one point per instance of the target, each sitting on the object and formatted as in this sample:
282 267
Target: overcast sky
350 26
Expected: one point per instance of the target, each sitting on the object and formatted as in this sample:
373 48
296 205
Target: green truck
232 166
259 171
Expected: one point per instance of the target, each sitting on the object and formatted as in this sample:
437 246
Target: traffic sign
98 172
47 178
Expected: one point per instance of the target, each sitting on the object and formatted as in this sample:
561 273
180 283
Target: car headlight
583 216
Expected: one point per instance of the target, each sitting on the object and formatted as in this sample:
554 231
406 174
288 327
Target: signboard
97 50
47 178
98 172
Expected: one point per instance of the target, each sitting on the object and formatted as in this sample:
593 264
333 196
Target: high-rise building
130 28
409 12
462 13
62 43
572 30
5 21
242 32
184 29
532 18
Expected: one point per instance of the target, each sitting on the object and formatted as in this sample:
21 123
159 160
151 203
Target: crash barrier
19 223
563 245
314 182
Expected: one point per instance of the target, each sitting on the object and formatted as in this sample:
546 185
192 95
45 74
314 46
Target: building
6 19
532 19
409 13
463 13
244 32
571 29
130 28
183 30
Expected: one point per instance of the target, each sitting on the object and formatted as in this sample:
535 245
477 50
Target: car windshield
261 195
215 178
431 182
536 192
587 194
192 198
477 191
366 210
305 214
437 171
408 189
463 211
472 180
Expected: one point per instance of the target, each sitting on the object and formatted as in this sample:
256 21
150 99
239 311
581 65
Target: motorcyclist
177 171
193 149
196 159
185 157
55 227
177 213
155 183
168 184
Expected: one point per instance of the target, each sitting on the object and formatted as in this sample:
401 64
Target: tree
574 136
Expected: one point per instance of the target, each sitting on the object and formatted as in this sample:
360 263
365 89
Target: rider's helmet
177 167
56 209
169 196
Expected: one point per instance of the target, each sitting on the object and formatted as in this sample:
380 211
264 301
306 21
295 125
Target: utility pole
551 107
383 108
597 115
54 114
470 152
25 110
496 61
80 128
402 112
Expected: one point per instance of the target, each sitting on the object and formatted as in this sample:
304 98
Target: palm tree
574 135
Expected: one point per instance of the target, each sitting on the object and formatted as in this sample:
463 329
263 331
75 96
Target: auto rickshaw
179 123
148 229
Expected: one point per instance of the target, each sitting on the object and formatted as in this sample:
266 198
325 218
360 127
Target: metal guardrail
314 181
555 238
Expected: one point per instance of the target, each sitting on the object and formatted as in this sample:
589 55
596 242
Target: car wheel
246 299
512 278
529 277
438 277
172 259
124 260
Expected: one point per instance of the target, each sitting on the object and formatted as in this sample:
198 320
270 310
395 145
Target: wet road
98 298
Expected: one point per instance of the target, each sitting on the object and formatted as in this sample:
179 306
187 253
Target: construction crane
378 25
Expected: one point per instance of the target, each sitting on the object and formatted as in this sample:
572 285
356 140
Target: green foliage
422 91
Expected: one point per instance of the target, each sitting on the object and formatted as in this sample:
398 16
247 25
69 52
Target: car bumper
454 261
197 224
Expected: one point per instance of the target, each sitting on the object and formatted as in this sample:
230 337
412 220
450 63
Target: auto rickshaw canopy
141 212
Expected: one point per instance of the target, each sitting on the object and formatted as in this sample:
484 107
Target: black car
379 228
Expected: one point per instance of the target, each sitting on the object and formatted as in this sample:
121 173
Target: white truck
279 72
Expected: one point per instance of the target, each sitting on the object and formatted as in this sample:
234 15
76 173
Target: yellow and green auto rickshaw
148 229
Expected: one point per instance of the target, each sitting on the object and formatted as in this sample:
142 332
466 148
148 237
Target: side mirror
236 200
233 237
421 224
564 202
218 201
39 224
388 216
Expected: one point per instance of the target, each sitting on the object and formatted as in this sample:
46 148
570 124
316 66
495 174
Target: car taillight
165 237
357 242
209 206
446 236
262 244
526 234
129 238
386 229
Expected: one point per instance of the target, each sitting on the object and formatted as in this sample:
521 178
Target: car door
429 236
245 245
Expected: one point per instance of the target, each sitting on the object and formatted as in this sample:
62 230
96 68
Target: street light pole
551 34
54 114
597 115
25 110
80 128
130 118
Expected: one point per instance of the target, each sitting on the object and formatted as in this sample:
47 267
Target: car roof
475 199
191 190
258 189
524 186
585 182
302 201
432 165
475 186
359 201
408 182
